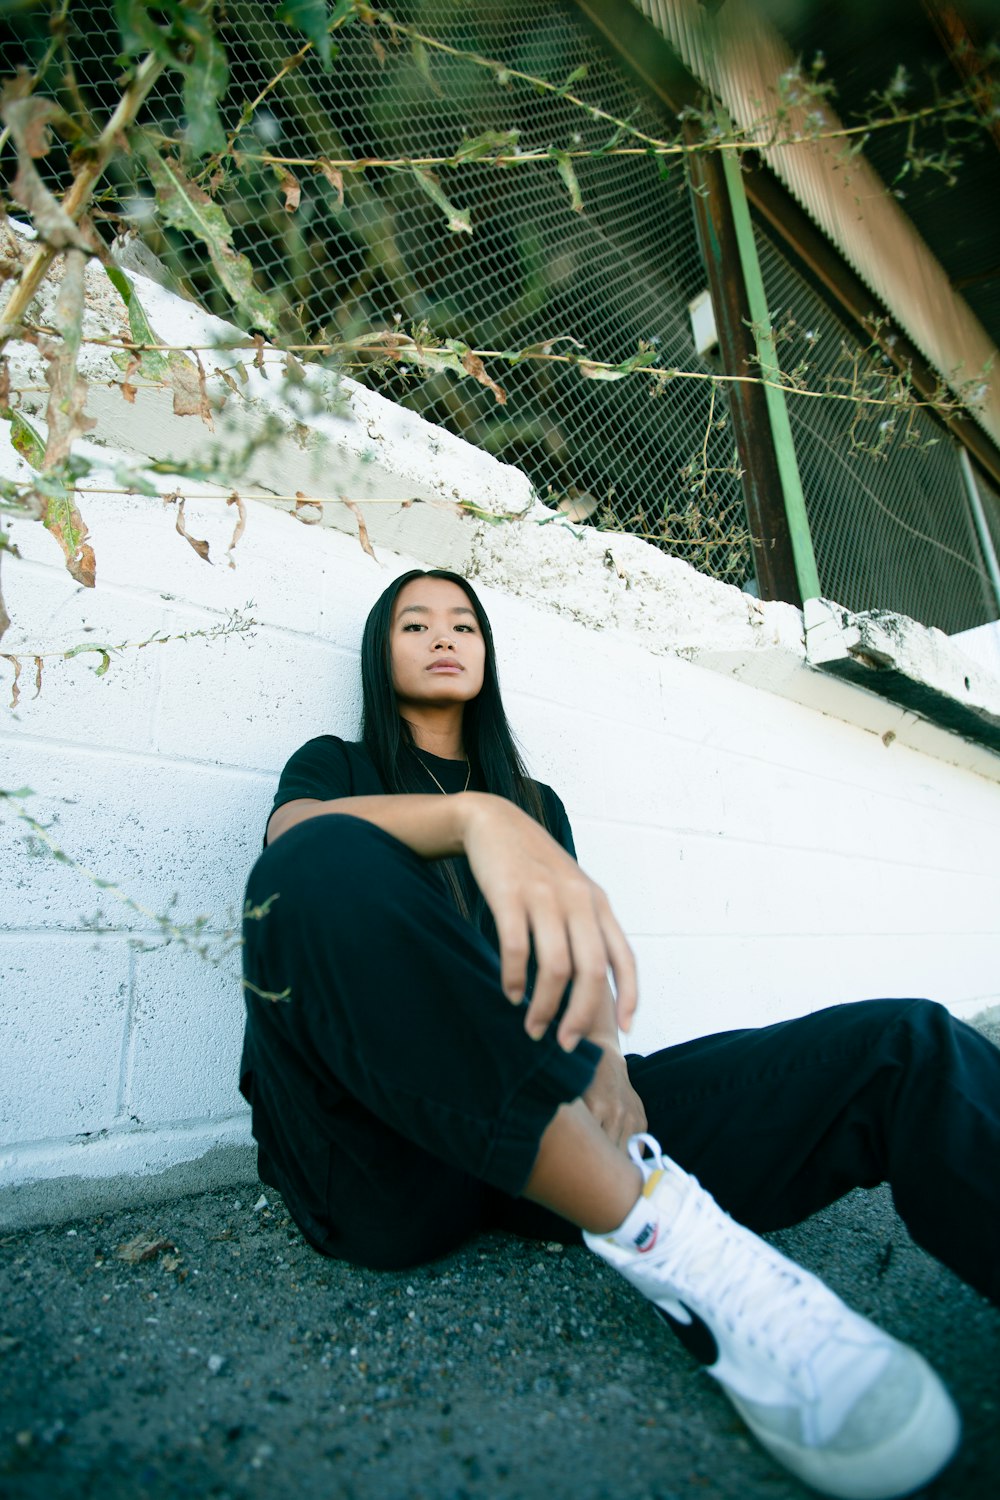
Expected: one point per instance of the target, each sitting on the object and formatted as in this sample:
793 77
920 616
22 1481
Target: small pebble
215 1363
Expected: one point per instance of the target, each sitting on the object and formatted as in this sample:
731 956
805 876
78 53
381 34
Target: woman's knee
326 857
919 1040
922 1021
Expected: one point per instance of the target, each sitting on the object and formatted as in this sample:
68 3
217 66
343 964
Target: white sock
644 1221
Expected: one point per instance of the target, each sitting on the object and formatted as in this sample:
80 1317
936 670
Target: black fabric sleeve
557 818
319 768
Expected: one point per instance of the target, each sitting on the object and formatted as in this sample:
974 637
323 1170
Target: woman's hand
613 1101
540 897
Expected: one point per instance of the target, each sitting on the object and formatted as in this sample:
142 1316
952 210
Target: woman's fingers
514 936
542 900
621 962
591 961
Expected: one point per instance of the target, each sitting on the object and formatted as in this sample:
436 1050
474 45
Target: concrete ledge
121 1171
917 668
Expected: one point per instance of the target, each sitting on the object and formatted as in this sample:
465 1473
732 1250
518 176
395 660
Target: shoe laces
757 1294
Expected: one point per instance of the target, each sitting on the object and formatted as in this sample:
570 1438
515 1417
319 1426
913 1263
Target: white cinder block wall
765 857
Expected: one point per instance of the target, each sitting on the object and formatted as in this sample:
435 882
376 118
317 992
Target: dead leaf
334 177
591 370
291 187
4 382
27 120
258 343
205 408
15 690
379 51
128 389
240 527
301 501
229 380
474 366
610 561
4 616
171 1262
38 676
32 116
142 1248
64 414
63 520
201 547
294 368
187 386
363 537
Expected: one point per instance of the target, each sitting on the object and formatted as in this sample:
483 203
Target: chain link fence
343 256
602 261
889 511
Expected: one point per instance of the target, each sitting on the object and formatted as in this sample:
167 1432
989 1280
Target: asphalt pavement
198 1347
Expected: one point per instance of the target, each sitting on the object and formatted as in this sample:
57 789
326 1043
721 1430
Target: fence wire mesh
510 262
888 508
373 251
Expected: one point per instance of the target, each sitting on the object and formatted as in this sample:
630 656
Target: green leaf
205 81
423 62
24 438
185 206
139 32
490 143
577 76
185 40
315 21
640 361
102 651
459 221
153 365
568 174
135 480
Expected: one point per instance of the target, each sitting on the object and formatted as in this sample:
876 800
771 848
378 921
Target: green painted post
784 444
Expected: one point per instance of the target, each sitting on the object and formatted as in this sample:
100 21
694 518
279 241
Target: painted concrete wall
766 856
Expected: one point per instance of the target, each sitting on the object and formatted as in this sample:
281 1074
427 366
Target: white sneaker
849 1410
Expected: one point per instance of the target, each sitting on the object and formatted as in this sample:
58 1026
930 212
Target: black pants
398 1103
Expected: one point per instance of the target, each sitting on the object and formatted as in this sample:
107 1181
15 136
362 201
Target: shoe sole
910 1459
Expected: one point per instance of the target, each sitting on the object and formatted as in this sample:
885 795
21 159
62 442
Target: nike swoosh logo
696 1336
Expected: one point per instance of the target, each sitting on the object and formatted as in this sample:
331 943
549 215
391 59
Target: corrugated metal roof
741 59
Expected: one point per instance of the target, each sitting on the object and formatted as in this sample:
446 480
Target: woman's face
437 648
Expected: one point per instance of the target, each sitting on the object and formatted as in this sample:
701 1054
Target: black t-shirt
328 767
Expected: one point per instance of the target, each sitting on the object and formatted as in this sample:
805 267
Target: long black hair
494 759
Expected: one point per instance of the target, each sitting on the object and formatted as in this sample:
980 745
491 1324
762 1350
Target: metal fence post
979 518
784 444
773 554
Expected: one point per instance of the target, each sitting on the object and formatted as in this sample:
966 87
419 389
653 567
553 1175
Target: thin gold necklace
468 776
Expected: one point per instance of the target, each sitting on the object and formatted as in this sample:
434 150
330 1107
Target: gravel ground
235 1363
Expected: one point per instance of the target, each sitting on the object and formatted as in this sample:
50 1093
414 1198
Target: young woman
432 1049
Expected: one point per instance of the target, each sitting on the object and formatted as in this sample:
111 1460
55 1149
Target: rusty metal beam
774 558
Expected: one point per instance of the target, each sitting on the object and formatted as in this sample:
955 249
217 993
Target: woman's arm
537 893
430 824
